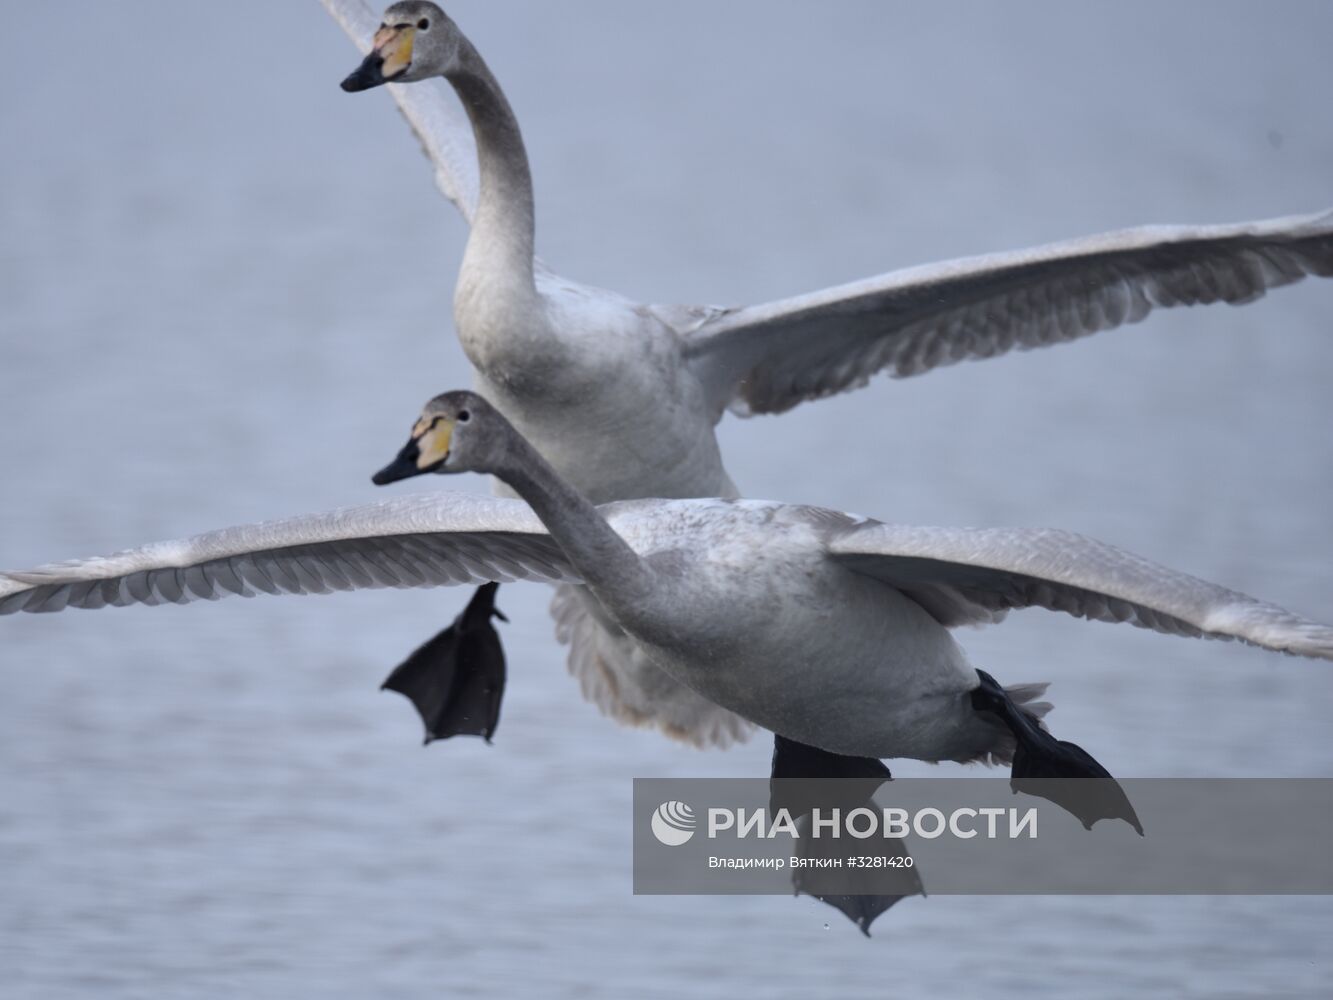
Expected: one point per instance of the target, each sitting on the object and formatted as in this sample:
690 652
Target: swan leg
845 889
456 680
1040 757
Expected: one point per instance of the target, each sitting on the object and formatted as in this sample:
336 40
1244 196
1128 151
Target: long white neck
498 262
614 571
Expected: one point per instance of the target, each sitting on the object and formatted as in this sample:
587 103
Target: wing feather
617 676
974 575
769 358
437 121
409 541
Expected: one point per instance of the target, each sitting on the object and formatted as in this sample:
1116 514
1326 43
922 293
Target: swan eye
424 24
464 416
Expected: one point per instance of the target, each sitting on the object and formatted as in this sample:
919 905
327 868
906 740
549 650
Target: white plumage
622 397
829 629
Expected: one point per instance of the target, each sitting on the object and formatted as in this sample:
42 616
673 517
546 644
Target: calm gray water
225 290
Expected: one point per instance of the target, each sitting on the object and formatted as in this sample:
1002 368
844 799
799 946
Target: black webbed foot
1039 757
456 680
842 888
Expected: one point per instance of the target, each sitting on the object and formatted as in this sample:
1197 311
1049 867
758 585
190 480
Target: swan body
829 629
622 398
764 604
614 408
734 629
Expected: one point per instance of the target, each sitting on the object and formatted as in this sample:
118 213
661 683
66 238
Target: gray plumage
622 397
830 629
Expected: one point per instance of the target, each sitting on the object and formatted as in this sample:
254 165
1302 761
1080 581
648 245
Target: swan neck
601 557
503 231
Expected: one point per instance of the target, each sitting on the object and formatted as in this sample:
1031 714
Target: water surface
224 292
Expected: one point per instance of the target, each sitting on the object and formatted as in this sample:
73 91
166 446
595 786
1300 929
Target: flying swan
831 630
622 398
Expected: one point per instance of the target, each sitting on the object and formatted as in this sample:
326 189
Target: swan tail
1027 698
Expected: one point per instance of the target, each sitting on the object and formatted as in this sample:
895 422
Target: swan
622 397
828 628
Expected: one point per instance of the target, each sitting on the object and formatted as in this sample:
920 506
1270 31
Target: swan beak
426 451
389 58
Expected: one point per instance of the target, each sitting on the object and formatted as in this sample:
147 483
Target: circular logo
673 823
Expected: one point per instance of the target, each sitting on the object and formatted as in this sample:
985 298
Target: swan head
415 41
457 432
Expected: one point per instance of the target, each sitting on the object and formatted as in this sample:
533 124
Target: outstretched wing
410 541
617 676
973 575
434 117
769 358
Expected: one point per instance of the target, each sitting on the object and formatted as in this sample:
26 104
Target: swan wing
616 675
437 121
973 575
409 541
769 358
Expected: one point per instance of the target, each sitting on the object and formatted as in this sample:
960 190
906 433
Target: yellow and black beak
390 56
426 451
